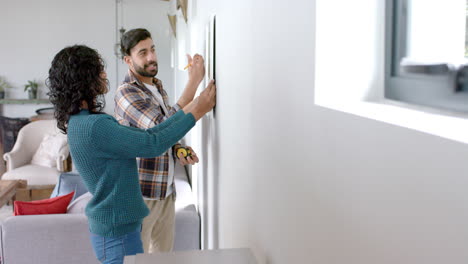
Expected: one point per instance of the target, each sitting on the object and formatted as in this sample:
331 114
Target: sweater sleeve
174 118
118 141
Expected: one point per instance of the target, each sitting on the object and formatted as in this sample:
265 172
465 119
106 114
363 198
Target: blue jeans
111 250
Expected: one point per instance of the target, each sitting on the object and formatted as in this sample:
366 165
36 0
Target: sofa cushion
69 182
187 219
78 206
185 199
57 205
34 174
46 239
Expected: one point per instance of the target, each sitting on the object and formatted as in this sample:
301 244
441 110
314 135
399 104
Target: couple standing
122 221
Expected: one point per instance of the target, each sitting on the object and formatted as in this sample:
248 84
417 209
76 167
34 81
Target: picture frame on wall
210 52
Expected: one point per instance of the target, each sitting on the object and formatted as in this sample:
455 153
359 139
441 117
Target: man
142 102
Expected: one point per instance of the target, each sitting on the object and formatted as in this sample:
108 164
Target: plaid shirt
136 106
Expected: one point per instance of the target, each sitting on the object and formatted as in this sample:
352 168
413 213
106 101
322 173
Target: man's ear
127 60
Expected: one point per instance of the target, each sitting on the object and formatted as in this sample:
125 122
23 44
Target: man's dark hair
74 77
131 38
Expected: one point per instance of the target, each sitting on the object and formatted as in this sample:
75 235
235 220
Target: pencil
188 65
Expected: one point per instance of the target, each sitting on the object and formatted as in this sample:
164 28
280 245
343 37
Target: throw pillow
78 206
57 205
68 182
49 149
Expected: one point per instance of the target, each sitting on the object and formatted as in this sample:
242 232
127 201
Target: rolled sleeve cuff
176 107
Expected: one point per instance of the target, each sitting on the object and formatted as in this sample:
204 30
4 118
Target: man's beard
143 72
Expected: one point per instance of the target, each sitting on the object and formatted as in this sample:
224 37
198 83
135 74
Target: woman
104 152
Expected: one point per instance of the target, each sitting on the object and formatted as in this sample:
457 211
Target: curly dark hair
74 77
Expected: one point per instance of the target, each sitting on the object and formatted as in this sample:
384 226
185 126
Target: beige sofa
50 239
64 238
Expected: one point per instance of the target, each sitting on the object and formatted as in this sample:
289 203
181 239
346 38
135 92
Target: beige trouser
157 232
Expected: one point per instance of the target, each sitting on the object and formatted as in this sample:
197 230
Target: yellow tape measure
184 151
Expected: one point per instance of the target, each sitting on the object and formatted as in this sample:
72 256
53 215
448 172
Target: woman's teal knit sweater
104 153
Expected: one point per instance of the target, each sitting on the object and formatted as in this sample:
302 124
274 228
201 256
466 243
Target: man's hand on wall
196 68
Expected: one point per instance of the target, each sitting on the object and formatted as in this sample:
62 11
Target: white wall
299 183
32 32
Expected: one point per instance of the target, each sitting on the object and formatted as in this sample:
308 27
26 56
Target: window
427 46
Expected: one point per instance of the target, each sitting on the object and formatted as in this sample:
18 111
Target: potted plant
32 88
3 86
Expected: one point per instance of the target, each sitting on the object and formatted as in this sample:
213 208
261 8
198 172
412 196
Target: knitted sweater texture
104 153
